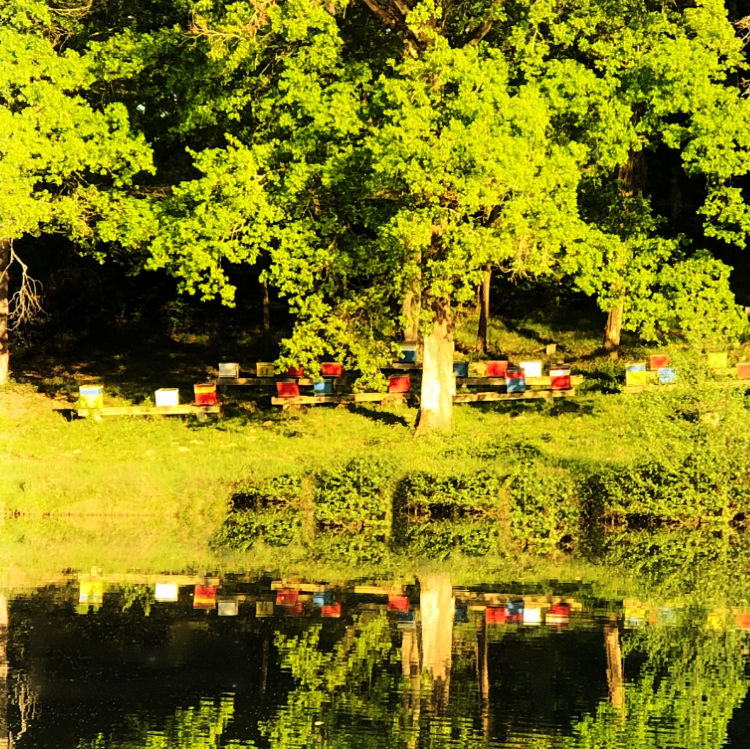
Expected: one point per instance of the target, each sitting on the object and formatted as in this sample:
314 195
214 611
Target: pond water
112 661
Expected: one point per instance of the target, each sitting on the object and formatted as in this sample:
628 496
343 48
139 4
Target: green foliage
435 516
270 511
351 509
199 726
544 505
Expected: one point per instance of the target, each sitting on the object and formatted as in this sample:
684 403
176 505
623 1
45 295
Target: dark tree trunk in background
484 312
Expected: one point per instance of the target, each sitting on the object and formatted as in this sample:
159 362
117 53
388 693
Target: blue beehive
323 387
323 598
461 368
515 381
409 353
666 375
514 610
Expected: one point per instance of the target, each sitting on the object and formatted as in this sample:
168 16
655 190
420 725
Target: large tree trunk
437 609
436 407
4 309
613 328
484 311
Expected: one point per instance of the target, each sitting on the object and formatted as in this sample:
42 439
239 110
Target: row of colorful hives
204 394
516 378
657 367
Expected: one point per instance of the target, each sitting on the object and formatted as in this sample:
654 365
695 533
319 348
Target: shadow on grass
383 417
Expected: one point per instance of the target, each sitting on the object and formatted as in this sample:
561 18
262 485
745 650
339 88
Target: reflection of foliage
353 696
270 511
195 727
133 594
684 696
435 515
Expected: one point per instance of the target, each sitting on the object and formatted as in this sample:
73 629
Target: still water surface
191 662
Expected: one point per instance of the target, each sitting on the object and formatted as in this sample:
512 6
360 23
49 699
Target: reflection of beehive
204 597
91 591
167 592
228 606
229 369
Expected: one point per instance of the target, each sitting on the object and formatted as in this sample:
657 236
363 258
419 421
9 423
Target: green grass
139 493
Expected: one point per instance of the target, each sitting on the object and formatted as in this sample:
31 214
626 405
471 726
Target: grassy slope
149 493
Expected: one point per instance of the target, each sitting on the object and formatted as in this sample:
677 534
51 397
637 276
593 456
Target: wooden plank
269 381
183 410
403 367
528 395
313 400
544 381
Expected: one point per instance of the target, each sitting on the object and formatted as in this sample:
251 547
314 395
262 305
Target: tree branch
26 303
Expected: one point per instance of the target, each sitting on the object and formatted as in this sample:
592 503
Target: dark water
98 661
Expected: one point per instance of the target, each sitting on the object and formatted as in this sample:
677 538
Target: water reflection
185 661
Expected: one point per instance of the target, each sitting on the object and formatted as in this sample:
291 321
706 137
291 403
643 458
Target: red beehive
295 372
743 619
295 610
331 369
743 370
287 389
287 597
495 614
205 394
331 610
398 603
657 361
560 378
559 613
399 384
497 368
204 596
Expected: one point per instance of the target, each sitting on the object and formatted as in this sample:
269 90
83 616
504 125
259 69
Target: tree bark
266 317
613 328
436 406
437 609
4 309
484 311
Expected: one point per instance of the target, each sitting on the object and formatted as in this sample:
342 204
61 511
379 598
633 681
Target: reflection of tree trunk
484 311
436 407
4 309
437 606
4 697
483 674
412 697
615 668
264 667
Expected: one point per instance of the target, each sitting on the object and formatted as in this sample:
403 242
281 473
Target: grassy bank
153 493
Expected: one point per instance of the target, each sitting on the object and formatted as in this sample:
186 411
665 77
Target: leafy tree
53 143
